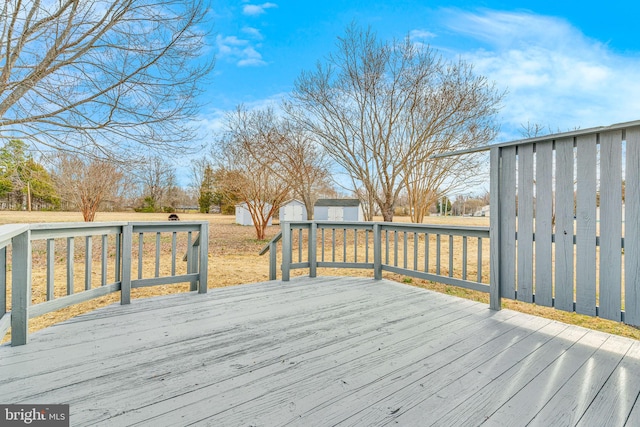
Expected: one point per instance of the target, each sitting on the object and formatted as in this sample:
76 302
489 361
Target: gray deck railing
117 271
451 255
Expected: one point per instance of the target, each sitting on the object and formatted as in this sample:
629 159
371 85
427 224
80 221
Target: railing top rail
275 239
554 136
9 231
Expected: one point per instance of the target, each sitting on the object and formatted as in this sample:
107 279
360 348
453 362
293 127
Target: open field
234 259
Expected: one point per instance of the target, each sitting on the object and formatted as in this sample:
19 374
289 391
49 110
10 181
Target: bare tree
86 182
381 109
157 177
286 149
242 168
101 76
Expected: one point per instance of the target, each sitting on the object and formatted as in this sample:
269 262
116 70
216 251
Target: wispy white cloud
240 51
554 74
421 34
252 32
257 9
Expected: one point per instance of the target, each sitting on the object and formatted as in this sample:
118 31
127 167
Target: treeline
67 181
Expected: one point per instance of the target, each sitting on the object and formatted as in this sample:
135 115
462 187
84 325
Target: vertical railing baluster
173 253
333 245
355 245
366 246
105 245
3 281
203 281
386 247
344 244
395 248
140 253
322 247
405 249
313 248
479 259
157 270
127 249
118 260
464 257
88 262
377 252
450 255
426 252
51 258
189 255
273 259
70 262
438 254
300 244
415 251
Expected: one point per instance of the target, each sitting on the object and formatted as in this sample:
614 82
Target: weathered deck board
323 351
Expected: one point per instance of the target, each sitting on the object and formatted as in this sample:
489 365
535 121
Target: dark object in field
174 217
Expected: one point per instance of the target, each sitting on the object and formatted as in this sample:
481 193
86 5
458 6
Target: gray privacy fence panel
568 235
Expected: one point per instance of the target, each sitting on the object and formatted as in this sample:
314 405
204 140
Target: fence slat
632 229
564 225
525 223
507 208
544 224
610 224
586 225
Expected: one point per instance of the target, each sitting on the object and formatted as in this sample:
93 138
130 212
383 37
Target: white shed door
336 213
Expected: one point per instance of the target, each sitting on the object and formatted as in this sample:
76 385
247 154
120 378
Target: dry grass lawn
234 259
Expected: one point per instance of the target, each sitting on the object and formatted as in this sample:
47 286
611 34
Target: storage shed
243 216
338 210
293 210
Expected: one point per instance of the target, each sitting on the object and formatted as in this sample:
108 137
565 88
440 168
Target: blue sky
565 64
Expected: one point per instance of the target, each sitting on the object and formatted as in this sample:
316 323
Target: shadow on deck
324 351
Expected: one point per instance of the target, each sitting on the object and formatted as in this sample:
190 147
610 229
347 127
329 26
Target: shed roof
338 202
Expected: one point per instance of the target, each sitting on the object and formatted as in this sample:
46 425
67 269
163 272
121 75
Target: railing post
377 252
286 250
313 262
127 249
495 298
204 258
273 256
20 287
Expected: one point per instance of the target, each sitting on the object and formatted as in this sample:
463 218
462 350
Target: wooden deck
322 352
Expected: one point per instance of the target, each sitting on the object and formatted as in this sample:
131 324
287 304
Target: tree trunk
387 212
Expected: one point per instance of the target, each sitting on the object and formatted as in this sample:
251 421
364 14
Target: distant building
483 211
293 210
338 210
243 216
